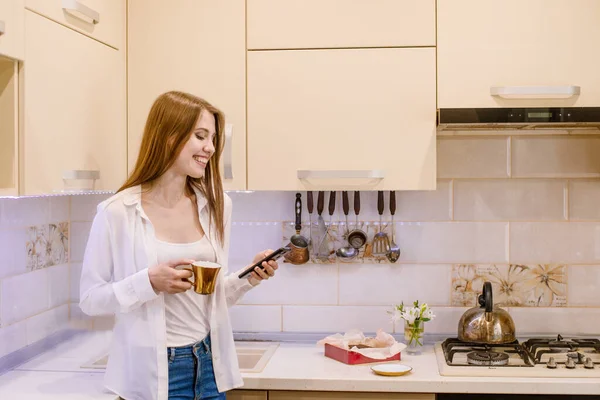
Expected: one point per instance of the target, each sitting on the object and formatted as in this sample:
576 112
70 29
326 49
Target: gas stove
534 357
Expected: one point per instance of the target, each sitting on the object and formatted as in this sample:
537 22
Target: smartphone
277 254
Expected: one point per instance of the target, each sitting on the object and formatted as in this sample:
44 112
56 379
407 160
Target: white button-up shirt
114 280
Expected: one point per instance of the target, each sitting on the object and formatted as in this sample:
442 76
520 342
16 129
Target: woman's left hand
269 267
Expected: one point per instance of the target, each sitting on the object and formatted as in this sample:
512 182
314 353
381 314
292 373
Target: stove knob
551 363
589 364
570 363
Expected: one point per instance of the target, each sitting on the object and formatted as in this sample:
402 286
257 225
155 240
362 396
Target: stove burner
487 358
562 346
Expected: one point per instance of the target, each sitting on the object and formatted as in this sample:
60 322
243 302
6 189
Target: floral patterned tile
542 285
336 237
47 245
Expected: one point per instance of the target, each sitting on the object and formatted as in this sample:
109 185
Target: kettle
486 324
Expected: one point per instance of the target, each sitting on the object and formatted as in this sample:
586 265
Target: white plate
391 369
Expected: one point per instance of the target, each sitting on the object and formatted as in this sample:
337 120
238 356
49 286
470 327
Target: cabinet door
11 28
200 48
293 395
74 108
344 119
547 43
276 24
9 126
103 20
247 395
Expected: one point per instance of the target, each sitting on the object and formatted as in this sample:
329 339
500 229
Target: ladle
347 252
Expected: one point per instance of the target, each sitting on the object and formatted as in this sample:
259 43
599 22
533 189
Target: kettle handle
485 299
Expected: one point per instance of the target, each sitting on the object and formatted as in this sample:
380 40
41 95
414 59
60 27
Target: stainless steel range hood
530 117
571 118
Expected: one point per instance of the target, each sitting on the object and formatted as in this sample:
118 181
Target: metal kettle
486 324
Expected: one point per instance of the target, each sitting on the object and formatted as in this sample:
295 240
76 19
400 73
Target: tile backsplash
518 209
34 271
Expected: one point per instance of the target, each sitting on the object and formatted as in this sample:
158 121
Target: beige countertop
57 374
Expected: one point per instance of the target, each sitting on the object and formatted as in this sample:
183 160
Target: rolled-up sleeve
99 293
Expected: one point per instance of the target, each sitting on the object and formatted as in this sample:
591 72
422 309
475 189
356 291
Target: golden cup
205 276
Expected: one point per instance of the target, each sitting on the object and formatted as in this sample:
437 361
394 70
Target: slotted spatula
381 242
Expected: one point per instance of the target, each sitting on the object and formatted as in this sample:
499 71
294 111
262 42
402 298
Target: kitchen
473 202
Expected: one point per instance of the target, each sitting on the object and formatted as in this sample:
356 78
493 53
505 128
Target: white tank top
186 313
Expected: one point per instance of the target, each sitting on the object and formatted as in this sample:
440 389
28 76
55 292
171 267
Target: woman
168 342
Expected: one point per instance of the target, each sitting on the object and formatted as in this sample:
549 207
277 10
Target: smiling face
199 148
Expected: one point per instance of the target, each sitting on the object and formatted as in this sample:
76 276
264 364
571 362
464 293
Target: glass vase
413 335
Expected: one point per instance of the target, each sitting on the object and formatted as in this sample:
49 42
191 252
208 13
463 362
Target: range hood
531 117
454 119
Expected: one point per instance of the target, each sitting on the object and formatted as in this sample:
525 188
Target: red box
352 357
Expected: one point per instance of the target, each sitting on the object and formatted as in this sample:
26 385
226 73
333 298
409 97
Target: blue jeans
191 374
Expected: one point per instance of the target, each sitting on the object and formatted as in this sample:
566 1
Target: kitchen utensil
357 238
310 207
324 247
391 369
298 243
394 253
486 324
381 243
347 252
205 276
321 228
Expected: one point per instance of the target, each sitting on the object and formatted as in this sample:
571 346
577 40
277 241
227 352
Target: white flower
411 315
428 314
396 316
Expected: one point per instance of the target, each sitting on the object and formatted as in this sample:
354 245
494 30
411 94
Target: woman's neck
168 190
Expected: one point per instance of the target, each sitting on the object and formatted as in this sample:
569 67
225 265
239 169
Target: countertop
57 374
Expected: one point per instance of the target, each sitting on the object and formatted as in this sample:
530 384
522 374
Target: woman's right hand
167 278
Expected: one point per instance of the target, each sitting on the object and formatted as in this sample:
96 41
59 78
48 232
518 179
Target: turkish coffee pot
486 324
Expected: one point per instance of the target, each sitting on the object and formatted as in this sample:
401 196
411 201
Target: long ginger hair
170 123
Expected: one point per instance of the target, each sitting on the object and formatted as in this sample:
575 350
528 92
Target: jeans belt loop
172 355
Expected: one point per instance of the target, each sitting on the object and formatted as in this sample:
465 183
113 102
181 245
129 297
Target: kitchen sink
252 356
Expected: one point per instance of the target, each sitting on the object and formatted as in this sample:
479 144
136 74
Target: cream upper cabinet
103 20
197 47
9 127
543 49
344 118
74 109
300 395
11 28
277 24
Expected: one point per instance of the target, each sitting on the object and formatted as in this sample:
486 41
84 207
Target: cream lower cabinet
74 109
247 395
343 118
197 47
550 45
294 395
11 28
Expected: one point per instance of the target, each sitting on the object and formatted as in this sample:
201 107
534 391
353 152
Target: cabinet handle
81 174
78 10
2 28
526 92
228 152
341 174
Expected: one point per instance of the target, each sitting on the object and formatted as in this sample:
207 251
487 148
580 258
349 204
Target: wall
517 209
34 270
